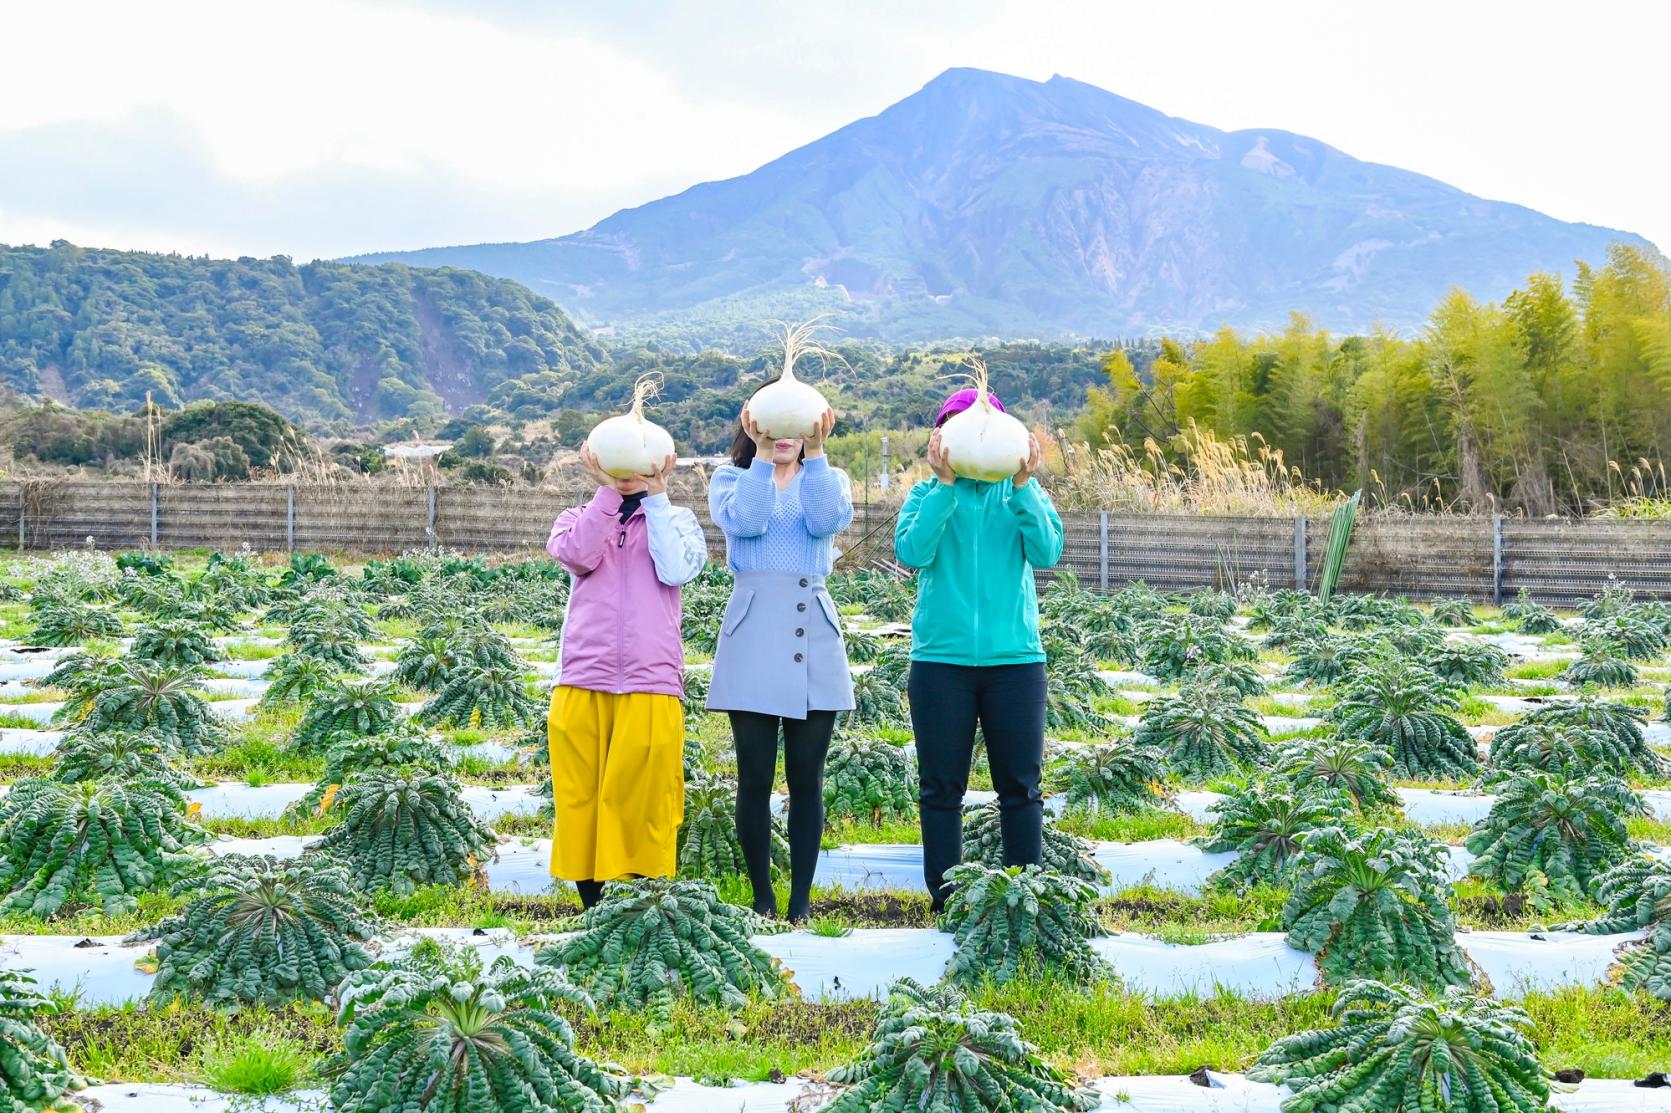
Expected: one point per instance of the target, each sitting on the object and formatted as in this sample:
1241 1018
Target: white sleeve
676 543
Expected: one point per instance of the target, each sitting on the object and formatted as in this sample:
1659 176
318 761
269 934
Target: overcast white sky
325 127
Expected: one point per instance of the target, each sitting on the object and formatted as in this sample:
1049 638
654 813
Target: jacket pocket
736 611
827 605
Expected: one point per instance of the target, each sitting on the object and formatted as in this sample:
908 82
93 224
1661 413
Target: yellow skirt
618 780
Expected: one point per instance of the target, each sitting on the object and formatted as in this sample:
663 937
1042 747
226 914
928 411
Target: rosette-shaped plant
933 1051
1353 770
708 846
1602 665
1395 1049
402 828
161 701
1375 905
1453 612
436 1031
478 696
869 779
877 701
1263 825
1327 658
98 841
1023 918
1570 828
1566 744
35 1073
120 755
1072 687
1204 732
649 943
62 622
1404 708
1466 664
174 641
1069 855
297 678
1172 645
262 931
1637 895
346 709
1110 778
402 746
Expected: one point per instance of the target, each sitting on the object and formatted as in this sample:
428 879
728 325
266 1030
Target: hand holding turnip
763 441
813 442
1031 463
937 461
656 482
626 485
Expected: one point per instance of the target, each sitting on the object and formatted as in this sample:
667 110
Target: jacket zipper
979 519
621 622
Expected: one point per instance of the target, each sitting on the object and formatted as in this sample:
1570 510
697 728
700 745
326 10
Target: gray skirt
780 649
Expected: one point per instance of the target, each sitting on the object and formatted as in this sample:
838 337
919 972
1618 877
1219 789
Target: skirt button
799 657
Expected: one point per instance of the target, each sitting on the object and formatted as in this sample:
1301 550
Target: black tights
590 892
805 742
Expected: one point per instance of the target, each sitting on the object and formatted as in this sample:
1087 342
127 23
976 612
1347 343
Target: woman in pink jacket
617 724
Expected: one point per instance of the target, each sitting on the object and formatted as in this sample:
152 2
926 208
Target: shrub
708 846
261 931
1006 921
1637 896
437 1030
1398 1050
933 1050
1571 829
157 700
650 942
1404 708
1112 778
35 1073
1353 770
346 709
402 828
102 841
1263 825
480 696
1374 905
1203 731
174 642
870 779
1068 855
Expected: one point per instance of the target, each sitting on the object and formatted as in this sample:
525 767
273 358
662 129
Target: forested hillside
326 343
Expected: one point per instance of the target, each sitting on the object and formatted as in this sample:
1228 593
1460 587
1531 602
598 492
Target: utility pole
882 480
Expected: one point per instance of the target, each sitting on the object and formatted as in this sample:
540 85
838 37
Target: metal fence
1484 559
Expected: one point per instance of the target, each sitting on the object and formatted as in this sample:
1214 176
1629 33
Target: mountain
992 205
326 343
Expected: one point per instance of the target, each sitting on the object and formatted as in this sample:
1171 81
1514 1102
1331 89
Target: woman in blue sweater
781 663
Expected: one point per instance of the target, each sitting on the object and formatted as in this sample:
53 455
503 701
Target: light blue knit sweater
788 530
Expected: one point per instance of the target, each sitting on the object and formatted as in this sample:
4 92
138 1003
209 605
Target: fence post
290 518
22 536
153 515
1497 559
429 520
1299 552
1102 547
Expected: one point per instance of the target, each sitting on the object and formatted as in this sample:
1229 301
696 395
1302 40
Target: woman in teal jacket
975 649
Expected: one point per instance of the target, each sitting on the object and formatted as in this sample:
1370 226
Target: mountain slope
987 204
324 342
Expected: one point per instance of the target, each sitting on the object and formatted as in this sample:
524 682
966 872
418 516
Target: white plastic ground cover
1256 965
1227 1093
35 743
242 801
1423 806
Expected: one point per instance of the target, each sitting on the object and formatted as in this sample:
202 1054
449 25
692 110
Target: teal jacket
975 546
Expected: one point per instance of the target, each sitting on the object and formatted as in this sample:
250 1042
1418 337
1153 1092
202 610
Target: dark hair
742 445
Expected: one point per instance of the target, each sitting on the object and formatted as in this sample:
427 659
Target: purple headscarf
961 401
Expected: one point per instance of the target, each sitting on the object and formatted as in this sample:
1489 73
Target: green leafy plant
297 678
935 1051
1602 664
1539 620
103 841
1374 905
1326 658
1214 604
1262 825
1636 636
870 779
1520 605
1559 745
402 828
708 846
1453 612
649 943
482 696
82 675
1466 664
1351 769
35 1073
1404 708
1204 732
261 931
346 709
1569 828
1006 921
64 623
122 755
877 702
1072 687
1637 896
425 662
1068 855
1334 549
436 1030
1395 1049
1172 645
177 641
400 747
1110 778
158 700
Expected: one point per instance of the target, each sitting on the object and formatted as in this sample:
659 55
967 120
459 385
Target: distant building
415 451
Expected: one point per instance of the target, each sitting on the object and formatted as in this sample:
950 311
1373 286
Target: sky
320 128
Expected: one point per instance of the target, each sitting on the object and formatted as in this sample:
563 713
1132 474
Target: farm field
274 835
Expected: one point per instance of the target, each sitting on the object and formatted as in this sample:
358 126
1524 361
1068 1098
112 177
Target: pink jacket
621 632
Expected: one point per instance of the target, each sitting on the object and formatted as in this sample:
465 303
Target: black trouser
805 742
1009 702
